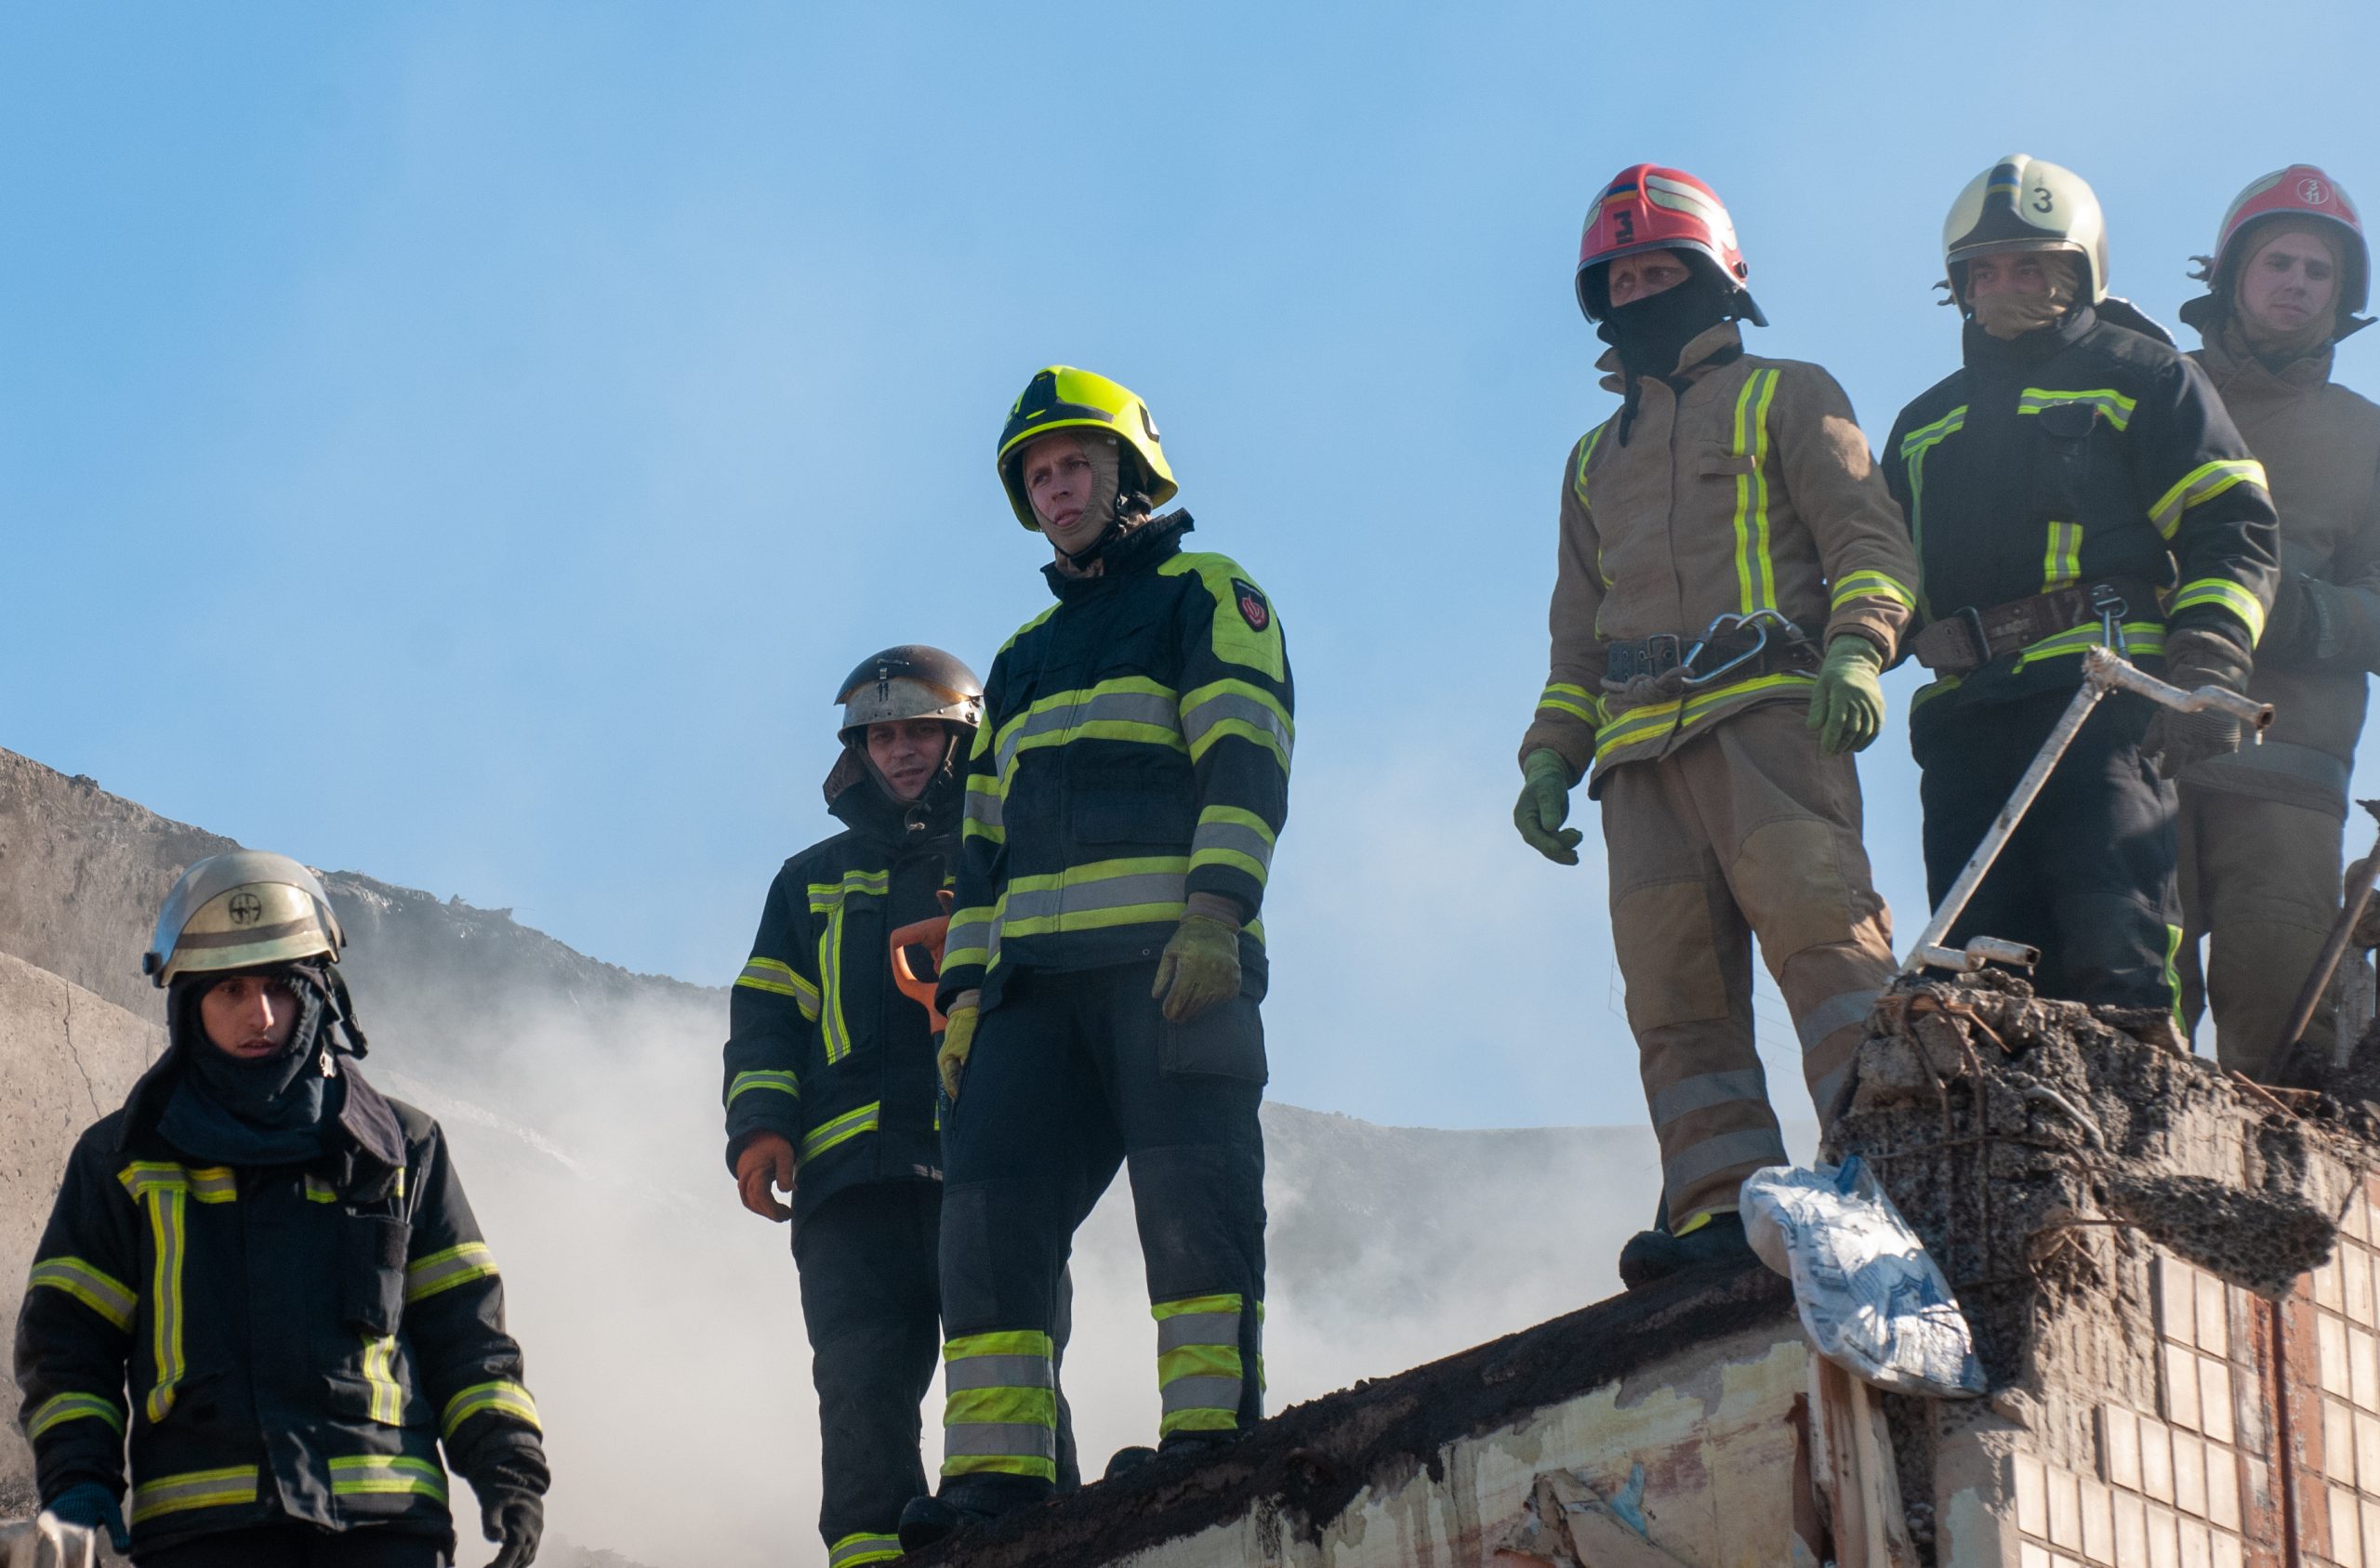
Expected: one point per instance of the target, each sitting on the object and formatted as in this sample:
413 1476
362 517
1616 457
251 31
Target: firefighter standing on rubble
279 1263
2259 830
2076 480
1726 488
1104 965
830 1083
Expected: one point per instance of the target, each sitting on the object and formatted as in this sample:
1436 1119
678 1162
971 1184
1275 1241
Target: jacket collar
856 800
2231 364
365 1117
1704 352
1144 549
1985 351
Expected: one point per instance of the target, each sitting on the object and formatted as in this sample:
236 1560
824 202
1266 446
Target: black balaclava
276 1110
1651 334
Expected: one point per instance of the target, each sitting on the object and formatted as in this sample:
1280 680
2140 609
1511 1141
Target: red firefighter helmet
2299 190
1648 207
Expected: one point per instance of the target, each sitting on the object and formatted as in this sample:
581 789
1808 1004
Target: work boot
1655 1255
1127 1460
927 1522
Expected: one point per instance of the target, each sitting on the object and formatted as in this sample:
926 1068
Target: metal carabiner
1727 626
2112 608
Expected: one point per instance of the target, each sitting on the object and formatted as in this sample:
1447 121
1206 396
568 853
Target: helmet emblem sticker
1252 608
246 909
2312 191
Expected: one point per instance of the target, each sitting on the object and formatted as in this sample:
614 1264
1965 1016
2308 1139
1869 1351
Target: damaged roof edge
1314 1460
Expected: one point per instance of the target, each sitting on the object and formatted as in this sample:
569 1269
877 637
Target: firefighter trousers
2260 879
1748 831
2088 876
1074 1075
288 1544
871 1299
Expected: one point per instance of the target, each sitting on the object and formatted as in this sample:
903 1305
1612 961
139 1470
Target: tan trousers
1749 831
2261 877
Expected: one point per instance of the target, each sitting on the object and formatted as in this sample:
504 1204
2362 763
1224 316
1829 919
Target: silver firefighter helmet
237 910
910 682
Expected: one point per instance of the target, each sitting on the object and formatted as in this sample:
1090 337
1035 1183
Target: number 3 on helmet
1648 207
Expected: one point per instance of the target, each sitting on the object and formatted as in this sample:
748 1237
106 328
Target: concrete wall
68 1058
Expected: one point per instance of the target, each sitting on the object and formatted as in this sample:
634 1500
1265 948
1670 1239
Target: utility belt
1969 638
1733 647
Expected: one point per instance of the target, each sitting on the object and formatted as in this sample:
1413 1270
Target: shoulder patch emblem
1252 608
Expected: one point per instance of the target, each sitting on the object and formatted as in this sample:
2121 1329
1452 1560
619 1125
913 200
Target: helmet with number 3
1648 207
2021 203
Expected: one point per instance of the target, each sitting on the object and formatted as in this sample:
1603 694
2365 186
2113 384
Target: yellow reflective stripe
1134 890
166 1203
58 1409
1236 707
2116 407
1200 1305
2145 639
830 899
987 810
1755 573
1586 456
779 979
1914 448
1646 723
500 1398
1197 1361
1233 837
968 1406
2062 562
1004 1342
1562 697
842 1129
378 1475
319 1191
1233 639
1880 585
865 1547
388 1404
2226 593
102 1293
426 1277
999 1404
2202 483
830 895
768 1080
194 1489
969 941
213 1184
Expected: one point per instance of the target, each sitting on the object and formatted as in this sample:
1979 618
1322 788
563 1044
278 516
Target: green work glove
1545 805
957 1039
2194 659
1200 965
1848 709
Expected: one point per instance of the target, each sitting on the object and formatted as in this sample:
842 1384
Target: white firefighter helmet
237 910
2023 202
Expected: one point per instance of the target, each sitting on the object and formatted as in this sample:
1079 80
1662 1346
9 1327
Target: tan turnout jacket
1751 489
2319 444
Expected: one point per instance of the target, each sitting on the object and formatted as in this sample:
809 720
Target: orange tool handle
930 935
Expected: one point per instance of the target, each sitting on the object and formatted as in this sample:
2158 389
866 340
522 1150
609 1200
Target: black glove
516 1519
2194 659
92 1507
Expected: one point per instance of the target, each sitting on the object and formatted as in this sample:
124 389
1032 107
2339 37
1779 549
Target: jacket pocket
372 1273
1725 464
2064 432
1226 1041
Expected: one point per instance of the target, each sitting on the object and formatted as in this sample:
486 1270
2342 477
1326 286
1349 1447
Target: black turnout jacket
1135 750
822 1048
2081 452
293 1341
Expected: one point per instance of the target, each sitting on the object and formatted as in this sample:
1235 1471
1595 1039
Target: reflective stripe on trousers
852 1550
1001 1407
1200 1373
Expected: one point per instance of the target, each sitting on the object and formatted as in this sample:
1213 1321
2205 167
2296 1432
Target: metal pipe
2309 998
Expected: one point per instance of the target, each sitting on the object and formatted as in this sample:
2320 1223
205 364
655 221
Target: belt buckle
1662 652
1972 618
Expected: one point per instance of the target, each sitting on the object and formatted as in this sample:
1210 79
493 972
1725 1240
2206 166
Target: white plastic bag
1871 1299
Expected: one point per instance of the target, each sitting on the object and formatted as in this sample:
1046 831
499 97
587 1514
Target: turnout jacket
2077 453
290 1341
2319 444
1741 483
1135 749
822 1050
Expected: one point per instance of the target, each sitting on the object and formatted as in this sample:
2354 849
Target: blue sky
467 444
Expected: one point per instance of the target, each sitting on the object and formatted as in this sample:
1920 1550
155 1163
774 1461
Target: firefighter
263 1274
830 1083
1731 579
2077 482
2260 829
1104 963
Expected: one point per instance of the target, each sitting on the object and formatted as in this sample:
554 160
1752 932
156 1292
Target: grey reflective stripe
1106 893
2286 758
1232 836
864 1549
1689 1095
982 806
1835 1012
1202 1393
975 933
1754 1146
1000 1440
1196 1328
998 1372
250 934
1107 708
1230 704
